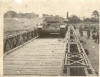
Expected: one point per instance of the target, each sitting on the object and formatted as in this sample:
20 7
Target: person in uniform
88 33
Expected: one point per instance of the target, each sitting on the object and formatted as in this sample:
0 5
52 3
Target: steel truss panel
76 62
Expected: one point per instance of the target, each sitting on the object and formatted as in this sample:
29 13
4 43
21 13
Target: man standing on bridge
81 31
88 33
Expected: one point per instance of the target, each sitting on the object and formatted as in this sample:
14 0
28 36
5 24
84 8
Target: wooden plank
39 57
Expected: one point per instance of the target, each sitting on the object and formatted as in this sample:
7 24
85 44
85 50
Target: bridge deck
43 56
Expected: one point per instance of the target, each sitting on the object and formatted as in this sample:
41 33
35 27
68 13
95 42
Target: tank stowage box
62 30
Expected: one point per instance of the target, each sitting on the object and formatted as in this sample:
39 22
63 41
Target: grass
93 52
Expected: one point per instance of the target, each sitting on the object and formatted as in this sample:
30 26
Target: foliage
74 19
10 14
13 14
95 16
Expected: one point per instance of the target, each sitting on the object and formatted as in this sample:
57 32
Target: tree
95 16
74 19
10 14
86 20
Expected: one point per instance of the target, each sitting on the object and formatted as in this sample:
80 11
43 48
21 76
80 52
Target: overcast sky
60 7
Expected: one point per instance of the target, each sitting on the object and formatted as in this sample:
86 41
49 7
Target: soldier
88 33
94 35
94 30
97 39
81 31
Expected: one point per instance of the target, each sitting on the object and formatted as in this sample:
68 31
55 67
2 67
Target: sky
81 8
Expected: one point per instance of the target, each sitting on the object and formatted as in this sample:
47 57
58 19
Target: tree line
76 19
13 14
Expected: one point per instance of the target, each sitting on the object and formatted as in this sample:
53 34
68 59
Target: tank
52 25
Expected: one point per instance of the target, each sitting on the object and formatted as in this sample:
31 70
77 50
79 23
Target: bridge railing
14 41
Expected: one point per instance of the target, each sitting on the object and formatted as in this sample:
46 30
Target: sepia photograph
50 37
